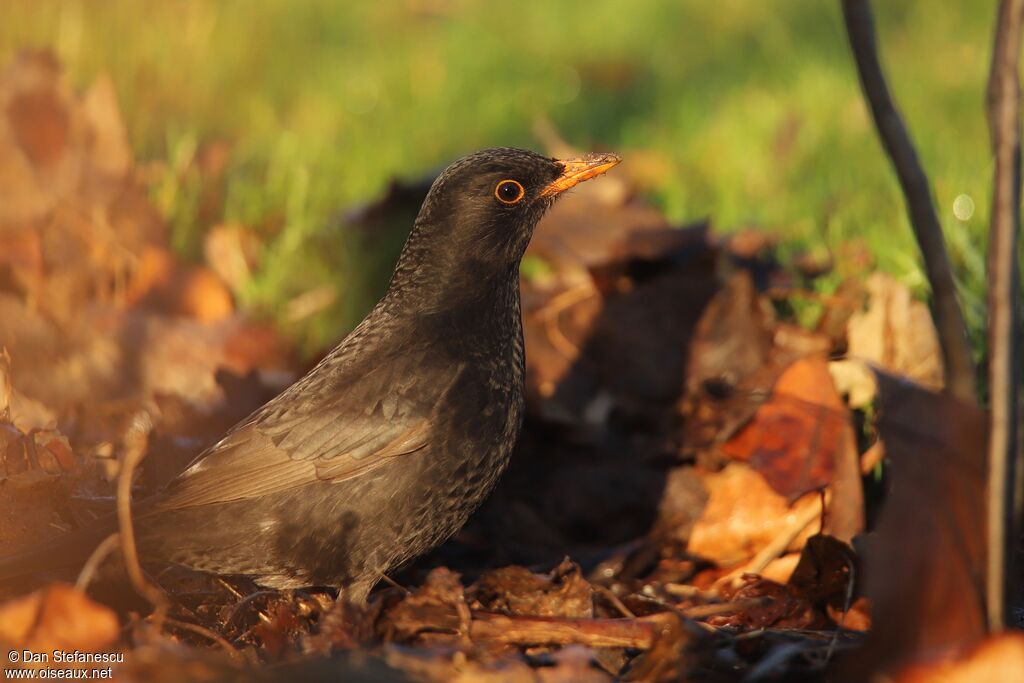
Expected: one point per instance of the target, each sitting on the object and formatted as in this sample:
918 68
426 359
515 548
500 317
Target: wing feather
364 423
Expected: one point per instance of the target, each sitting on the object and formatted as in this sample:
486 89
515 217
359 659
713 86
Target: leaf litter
690 499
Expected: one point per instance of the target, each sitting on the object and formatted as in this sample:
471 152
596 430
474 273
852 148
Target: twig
949 319
714 609
634 633
871 457
1003 278
135 449
611 597
101 552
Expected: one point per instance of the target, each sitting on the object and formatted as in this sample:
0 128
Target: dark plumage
384 449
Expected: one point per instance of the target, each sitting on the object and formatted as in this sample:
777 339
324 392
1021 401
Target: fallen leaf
786 607
742 516
730 367
232 251
926 559
827 572
998 658
518 591
801 439
57 617
896 333
109 151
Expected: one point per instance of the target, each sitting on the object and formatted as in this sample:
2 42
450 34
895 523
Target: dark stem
949 319
1003 291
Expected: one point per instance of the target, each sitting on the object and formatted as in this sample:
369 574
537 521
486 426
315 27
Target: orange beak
575 171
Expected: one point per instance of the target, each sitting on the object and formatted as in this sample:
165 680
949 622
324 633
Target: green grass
753 110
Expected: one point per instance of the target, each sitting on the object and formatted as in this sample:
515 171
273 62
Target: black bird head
480 214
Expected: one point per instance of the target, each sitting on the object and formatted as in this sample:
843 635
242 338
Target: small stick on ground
949 319
714 609
637 633
1003 287
91 565
611 597
135 450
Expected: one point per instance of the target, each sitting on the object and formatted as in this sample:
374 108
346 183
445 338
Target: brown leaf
999 658
827 571
40 125
730 365
787 607
896 333
439 605
109 151
232 251
742 516
41 138
518 591
795 435
924 568
801 439
57 617
162 283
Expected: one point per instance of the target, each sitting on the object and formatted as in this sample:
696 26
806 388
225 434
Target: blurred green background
747 112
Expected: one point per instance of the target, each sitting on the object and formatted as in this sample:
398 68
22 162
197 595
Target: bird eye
509 192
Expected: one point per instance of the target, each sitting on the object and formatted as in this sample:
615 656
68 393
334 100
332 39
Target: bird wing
323 428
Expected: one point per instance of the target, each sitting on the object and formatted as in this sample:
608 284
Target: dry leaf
896 333
518 591
57 617
742 516
926 562
999 658
801 439
109 152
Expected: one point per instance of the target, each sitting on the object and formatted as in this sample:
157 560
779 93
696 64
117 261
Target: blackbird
383 449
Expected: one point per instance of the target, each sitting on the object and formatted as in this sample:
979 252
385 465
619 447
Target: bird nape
383 450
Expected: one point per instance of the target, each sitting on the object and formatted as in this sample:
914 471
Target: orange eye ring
509 192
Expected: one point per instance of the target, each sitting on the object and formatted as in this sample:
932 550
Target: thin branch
1003 279
637 633
949 319
135 450
92 565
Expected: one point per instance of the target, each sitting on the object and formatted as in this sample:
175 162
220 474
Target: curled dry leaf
518 591
786 606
